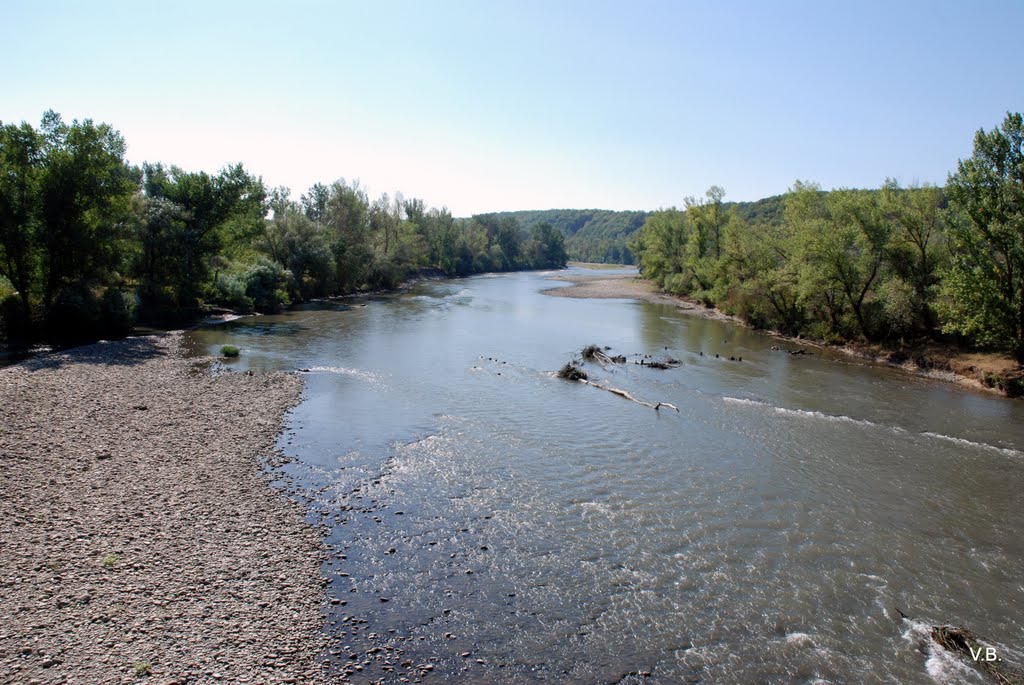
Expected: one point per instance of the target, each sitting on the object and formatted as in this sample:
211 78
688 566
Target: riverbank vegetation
892 266
90 245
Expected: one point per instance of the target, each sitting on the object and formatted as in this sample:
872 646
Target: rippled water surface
767 532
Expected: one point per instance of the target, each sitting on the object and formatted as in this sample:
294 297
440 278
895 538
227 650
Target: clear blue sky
486 106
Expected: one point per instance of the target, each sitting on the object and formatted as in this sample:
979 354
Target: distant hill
766 211
603 235
591 235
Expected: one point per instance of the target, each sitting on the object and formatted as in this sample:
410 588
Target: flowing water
767 532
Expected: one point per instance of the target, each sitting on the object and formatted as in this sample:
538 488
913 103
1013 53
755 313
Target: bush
12 322
229 291
266 284
229 351
74 317
116 313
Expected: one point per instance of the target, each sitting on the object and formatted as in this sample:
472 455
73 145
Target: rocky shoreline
141 540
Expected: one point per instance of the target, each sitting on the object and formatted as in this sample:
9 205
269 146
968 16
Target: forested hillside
89 244
603 235
591 235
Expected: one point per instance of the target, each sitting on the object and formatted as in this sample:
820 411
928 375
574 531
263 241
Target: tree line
892 265
591 235
90 245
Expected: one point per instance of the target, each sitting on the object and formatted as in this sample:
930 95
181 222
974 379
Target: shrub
266 284
116 313
228 290
74 316
12 319
229 351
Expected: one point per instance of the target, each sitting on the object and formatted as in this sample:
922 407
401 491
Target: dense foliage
591 235
606 236
90 244
893 264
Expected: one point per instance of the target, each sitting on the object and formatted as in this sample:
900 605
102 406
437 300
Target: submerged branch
623 393
966 645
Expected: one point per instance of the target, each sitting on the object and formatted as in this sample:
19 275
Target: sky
488 105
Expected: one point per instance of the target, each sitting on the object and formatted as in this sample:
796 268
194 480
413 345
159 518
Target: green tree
759 267
917 249
660 247
546 248
21 163
85 199
65 199
294 241
841 239
985 281
213 213
347 223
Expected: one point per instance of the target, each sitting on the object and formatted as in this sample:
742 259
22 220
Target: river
516 528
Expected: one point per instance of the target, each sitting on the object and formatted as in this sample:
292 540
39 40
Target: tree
85 198
315 203
21 156
840 240
347 222
985 281
65 199
758 266
916 251
213 213
546 248
660 246
294 241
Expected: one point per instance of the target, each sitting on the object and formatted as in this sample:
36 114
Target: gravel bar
140 538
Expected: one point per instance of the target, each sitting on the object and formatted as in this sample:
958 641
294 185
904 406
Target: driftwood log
626 395
573 371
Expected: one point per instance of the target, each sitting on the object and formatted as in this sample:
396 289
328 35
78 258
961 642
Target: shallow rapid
514 527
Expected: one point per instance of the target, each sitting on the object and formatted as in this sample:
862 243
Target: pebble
134 481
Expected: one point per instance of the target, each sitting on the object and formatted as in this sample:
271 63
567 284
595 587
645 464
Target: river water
555 532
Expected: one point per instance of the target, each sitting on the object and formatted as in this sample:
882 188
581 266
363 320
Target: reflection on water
765 533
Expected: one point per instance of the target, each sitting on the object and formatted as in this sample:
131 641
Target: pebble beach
140 537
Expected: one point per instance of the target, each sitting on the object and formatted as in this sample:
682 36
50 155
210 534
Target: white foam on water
801 639
971 443
826 417
596 508
840 418
808 414
345 371
743 400
942 666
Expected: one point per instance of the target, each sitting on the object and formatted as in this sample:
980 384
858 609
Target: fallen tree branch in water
595 353
571 371
966 645
623 393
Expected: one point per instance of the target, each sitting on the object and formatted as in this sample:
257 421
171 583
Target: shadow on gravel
127 352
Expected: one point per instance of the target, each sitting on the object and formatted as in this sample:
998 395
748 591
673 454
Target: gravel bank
628 286
140 539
